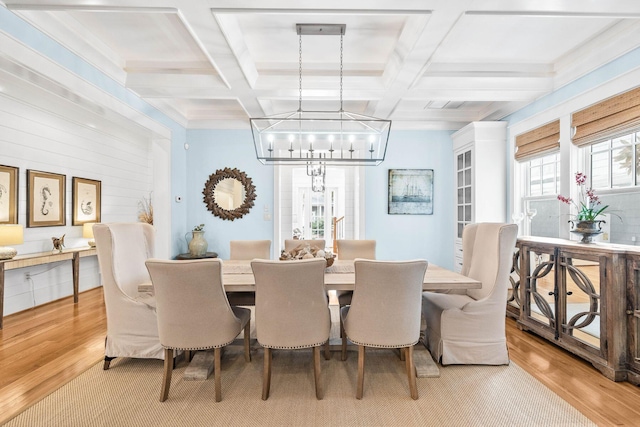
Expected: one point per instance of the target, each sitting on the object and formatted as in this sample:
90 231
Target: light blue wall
398 236
210 150
413 236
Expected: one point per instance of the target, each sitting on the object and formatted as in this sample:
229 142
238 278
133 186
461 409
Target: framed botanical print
8 195
410 192
85 200
45 199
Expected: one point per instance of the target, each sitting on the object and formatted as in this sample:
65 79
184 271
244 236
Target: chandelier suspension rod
341 50
300 72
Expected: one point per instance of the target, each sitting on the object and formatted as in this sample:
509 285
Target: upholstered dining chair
385 311
292 311
291 244
194 314
350 250
469 328
247 250
132 327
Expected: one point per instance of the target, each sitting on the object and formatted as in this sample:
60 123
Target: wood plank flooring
43 348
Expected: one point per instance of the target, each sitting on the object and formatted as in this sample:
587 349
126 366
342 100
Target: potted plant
585 222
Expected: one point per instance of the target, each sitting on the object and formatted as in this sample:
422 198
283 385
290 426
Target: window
613 167
614 163
540 204
543 177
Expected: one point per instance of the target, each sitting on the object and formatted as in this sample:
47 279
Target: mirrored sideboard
582 297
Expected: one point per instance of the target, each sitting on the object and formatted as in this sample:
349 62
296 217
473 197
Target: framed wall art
45 199
410 192
8 195
86 204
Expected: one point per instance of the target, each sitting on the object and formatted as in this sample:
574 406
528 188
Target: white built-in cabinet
480 181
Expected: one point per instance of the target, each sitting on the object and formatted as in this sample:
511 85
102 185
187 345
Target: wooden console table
28 260
584 298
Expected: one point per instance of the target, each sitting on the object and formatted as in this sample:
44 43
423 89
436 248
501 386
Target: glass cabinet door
463 188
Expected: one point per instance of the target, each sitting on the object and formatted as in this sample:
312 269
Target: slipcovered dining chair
247 250
385 311
292 311
469 328
350 250
291 244
132 326
194 314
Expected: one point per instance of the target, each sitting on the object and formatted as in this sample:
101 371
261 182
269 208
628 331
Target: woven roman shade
538 141
606 119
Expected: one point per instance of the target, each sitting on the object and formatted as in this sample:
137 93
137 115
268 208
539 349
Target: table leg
1 292
75 266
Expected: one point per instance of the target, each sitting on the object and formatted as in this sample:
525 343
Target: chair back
250 249
352 249
192 307
122 250
487 257
292 309
291 244
386 305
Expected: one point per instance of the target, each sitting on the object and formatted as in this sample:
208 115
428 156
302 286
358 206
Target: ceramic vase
198 245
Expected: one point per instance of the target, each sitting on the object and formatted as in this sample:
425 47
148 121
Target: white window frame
525 169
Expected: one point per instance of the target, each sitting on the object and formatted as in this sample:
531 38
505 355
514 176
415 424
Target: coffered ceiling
424 64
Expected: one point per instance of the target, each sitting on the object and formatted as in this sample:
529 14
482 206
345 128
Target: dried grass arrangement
145 210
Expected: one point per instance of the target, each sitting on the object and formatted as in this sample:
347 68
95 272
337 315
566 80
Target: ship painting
411 191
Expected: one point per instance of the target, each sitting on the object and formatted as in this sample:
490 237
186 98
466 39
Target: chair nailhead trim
292 348
384 346
198 348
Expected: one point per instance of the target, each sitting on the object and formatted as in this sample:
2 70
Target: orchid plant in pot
589 209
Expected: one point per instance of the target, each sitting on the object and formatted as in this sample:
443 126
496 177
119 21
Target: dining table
237 276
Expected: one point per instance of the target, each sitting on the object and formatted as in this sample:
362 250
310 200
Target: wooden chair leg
107 362
266 375
402 354
343 352
327 350
168 369
216 372
317 372
411 373
360 372
247 341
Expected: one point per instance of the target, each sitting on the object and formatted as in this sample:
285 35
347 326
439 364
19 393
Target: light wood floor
43 348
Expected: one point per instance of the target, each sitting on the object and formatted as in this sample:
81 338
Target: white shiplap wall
32 138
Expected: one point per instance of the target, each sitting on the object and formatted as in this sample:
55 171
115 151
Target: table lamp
87 233
10 234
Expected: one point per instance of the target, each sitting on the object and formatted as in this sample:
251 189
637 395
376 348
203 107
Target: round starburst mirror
229 193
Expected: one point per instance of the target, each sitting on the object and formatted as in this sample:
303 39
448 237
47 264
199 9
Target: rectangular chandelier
334 137
330 137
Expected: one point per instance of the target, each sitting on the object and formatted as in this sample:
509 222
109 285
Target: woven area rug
128 395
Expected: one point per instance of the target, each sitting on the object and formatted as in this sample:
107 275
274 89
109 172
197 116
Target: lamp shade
11 234
87 230
87 233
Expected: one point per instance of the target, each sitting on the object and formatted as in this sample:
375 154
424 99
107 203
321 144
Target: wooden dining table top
237 276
